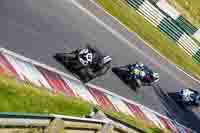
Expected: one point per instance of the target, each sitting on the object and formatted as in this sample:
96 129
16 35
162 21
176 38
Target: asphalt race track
40 28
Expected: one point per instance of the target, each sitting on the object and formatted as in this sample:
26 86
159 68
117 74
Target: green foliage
16 96
142 125
20 97
189 8
155 130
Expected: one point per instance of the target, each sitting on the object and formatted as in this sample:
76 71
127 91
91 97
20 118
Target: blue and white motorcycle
136 76
187 96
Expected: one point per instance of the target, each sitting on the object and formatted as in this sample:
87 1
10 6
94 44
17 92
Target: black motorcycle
99 66
123 73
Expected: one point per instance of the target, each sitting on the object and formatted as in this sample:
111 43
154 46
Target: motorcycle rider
95 64
147 74
85 62
188 95
142 72
136 71
86 57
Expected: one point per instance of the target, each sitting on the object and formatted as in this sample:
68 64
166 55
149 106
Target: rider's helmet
142 73
85 57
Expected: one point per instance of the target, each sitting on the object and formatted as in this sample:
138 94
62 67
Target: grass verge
188 8
159 41
20 97
142 125
16 96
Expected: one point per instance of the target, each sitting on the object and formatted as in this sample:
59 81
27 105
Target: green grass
19 97
152 35
147 127
189 8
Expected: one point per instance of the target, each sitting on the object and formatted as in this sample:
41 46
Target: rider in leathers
92 61
141 72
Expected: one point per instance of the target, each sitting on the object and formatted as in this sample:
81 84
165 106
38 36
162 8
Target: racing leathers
138 71
87 63
186 95
189 95
95 64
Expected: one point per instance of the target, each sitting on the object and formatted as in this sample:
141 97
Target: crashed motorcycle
73 63
123 73
187 97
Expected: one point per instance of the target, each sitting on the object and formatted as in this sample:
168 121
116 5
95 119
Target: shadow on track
122 75
182 115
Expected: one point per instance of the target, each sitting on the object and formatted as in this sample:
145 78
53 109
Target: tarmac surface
39 28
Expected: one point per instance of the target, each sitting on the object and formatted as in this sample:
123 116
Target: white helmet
85 57
142 73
